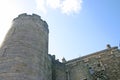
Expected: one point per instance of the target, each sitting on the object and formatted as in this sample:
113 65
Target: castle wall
111 63
103 65
24 53
58 70
77 70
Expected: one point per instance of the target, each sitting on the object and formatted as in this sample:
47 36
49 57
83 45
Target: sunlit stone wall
24 52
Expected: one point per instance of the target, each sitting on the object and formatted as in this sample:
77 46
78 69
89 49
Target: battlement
34 17
27 15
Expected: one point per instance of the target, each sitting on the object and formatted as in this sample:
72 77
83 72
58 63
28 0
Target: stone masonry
24 56
24 53
102 65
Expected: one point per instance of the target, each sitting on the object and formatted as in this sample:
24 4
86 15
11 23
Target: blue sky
77 27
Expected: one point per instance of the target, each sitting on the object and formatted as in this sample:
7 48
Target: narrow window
98 65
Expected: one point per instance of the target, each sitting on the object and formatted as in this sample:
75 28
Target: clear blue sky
74 31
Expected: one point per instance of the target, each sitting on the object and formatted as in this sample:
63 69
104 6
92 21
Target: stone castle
24 56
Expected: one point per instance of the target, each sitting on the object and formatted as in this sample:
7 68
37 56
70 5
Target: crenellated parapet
34 17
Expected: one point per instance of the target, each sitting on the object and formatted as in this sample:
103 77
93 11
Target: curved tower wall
24 53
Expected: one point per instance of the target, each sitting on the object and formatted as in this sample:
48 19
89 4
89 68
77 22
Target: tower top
34 17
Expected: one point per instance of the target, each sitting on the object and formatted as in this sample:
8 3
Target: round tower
24 53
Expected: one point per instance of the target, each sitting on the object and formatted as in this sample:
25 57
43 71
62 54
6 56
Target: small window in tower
90 67
98 65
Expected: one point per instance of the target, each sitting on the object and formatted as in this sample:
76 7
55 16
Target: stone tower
24 53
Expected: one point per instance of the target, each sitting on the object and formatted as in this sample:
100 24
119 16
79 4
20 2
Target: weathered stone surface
102 65
58 70
24 53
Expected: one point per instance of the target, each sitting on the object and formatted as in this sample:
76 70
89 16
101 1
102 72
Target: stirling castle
24 56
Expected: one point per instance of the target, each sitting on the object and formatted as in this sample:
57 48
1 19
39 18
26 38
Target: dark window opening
98 65
90 67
